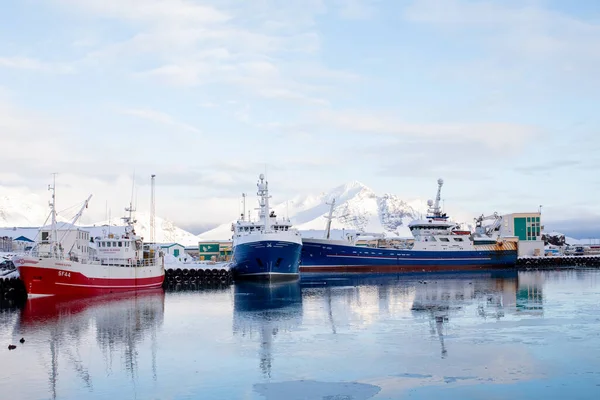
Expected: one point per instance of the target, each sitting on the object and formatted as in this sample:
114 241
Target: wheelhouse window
120 244
444 240
458 239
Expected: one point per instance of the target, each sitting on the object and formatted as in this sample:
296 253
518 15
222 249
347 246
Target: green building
216 251
527 227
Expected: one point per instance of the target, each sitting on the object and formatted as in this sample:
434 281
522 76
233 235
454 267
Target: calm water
529 335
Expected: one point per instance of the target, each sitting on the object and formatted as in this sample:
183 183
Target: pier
558 261
192 277
12 290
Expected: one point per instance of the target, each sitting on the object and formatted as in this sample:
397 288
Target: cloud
160 117
356 9
578 228
32 64
517 37
494 135
176 12
28 136
548 167
181 43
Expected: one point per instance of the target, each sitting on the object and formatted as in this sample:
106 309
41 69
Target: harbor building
214 251
175 249
193 251
22 244
528 229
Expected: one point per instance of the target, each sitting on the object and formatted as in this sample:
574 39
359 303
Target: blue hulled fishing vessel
439 244
268 248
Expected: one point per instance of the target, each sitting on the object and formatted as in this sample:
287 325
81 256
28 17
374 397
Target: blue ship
438 245
268 248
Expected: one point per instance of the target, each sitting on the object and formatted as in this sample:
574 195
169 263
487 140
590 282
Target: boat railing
119 262
35 252
127 262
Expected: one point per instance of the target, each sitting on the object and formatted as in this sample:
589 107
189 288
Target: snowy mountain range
24 211
165 230
357 208
30 211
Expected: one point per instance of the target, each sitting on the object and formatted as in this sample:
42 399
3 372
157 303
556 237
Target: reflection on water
265 309
435 298
530 296
355 337
118 321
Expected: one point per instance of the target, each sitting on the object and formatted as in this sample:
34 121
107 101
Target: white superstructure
268 227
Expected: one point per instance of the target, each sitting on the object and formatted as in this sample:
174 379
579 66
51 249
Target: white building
175 249
22 244
528 229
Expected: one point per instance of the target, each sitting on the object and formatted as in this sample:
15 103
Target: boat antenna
436 206
263 194
129 221
52 188
329 218
244 207
152 209
132 191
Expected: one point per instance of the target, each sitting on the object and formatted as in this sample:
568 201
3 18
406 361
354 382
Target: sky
499 98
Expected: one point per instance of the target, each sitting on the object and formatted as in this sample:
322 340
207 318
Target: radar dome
262 177
430 203
440 181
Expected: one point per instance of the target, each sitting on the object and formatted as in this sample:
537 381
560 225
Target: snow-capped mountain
18 210
30 211
357 208
165 230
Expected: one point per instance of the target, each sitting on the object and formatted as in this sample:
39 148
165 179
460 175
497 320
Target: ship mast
263 193
129 219
329 218
52 188
152 210
244 207
436 207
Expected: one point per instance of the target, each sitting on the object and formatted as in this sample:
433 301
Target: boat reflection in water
439 298
118 322
261 311
436 297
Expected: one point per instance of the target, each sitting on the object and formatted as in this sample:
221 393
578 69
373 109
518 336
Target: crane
488 230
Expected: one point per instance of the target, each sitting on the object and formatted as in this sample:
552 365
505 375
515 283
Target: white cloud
29 136
32 64
151 11
226 43
521 33
160 117
356 9
493 135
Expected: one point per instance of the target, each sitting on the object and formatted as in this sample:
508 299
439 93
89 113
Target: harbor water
476 335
